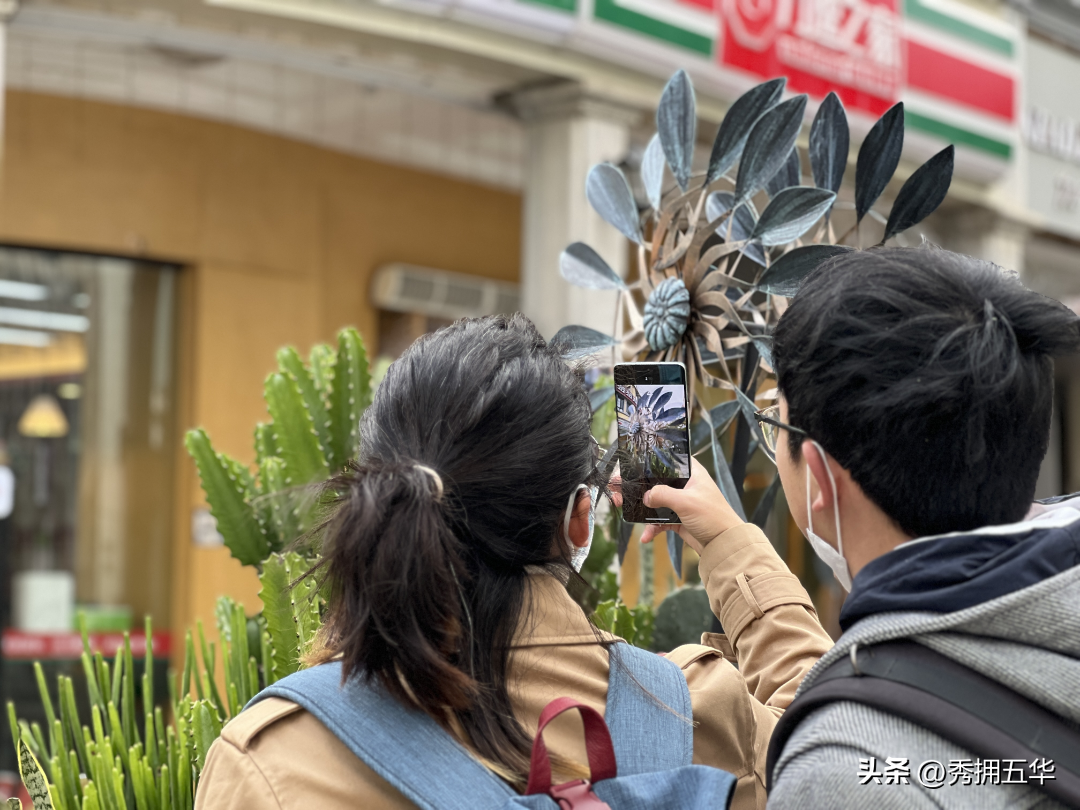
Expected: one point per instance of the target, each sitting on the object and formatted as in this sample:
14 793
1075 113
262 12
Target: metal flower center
667 313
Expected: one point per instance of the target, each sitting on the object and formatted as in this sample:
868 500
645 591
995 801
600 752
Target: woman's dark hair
928 376
429 587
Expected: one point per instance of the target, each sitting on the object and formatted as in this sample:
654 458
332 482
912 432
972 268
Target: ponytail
391 545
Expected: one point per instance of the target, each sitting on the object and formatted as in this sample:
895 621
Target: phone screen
654 435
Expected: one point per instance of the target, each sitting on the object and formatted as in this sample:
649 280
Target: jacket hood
1027 639
952 572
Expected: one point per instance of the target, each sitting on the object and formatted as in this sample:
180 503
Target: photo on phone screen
654 440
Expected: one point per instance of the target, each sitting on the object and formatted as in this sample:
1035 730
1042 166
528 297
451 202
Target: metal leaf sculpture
583 267
879 156
829 141
712 276
736 126
652 171
609 193
790 174
922 193
791 213
676 124
768 145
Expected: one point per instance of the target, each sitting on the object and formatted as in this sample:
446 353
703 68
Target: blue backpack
639 759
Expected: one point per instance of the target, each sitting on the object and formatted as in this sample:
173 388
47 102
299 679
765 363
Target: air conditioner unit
441 294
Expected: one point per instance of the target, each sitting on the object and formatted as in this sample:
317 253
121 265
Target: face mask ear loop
835 501
570 504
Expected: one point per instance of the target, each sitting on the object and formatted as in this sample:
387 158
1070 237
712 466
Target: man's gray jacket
1028 640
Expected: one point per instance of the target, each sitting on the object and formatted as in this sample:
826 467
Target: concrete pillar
568 131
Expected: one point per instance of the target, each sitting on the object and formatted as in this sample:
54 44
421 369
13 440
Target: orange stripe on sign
946 76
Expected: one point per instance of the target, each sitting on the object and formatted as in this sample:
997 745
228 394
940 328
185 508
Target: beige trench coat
276 755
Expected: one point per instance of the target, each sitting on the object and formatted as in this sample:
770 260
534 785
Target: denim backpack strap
404 746
648 712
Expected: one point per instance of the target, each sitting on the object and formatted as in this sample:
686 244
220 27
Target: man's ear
815 466
579 519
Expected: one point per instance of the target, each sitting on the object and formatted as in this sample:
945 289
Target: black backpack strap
955 702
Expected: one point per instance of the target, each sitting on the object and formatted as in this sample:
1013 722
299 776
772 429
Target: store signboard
1051 134
953 66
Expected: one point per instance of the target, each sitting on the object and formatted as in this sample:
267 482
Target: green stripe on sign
612 12
563 5
957 135
915 10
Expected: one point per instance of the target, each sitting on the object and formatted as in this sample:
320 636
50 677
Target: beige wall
279 240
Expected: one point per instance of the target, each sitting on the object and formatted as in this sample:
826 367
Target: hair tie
434 477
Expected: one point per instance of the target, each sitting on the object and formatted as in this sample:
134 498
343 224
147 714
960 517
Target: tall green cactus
115 762
316 409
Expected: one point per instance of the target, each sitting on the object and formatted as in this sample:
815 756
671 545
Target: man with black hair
916 388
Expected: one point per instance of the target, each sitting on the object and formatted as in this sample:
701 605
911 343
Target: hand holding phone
654 435
704 511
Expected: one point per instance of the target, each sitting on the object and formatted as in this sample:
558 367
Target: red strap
598 746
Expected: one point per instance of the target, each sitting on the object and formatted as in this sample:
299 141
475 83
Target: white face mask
832 557
578 555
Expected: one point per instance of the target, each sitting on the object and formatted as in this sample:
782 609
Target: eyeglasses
769 418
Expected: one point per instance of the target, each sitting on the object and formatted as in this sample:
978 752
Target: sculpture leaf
582 266
791 213
922 193
785 275
610 196
768 145
830 140
581 341
736 126
878 158
676 124
652 171
790 174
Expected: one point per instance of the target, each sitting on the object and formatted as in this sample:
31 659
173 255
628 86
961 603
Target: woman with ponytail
456 532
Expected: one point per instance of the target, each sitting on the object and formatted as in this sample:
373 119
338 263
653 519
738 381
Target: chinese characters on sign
933 774
852 46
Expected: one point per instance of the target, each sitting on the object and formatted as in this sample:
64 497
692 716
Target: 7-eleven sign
953 67
854 47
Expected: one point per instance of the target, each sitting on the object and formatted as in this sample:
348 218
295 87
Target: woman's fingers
702 509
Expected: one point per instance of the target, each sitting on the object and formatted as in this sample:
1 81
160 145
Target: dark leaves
829 143
582 266
791 213
609 194
742 222
676 124
574 342
765 505
768 145
740 118
652 171
790 174
786 274
878 158
922 193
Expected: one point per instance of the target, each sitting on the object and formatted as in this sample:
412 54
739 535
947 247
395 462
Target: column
568 131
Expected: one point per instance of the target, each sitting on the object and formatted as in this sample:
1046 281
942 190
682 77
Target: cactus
292 614
227 496
316 411
350 394
151 765
681 618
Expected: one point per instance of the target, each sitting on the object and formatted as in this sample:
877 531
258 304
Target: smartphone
654 435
